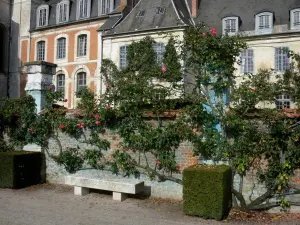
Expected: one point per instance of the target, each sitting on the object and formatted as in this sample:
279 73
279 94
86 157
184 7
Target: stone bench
120 186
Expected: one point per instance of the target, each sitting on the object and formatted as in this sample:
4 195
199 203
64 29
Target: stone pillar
39 78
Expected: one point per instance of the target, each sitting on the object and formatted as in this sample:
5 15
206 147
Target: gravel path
56 205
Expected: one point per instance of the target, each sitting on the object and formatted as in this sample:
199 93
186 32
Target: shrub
20 169
207 191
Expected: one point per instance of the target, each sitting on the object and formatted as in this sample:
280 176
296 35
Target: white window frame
61 4
105 2
247 61
292 16
224 25
42 7
56 59
160 49
87 56
262 30
122 55
283 101
280 65
88 9
36 50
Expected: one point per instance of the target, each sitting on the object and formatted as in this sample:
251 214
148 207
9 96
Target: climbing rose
107 85
97 117
203 34
253 89
159 163
107 107
195 130
31 130
164 68
50 87
61 126
65 100
98 122
213 31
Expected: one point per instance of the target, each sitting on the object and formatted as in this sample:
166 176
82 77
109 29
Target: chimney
195 5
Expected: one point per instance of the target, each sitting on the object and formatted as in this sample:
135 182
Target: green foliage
20 169
71 159
207 191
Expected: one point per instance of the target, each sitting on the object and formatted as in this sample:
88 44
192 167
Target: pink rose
61 126
98 122
203 34
158 163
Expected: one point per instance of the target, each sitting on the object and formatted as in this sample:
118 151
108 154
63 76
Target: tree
227 129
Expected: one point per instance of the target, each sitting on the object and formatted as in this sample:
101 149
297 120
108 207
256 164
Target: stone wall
168 189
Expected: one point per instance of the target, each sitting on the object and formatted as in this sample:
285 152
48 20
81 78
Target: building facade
269 27
65 33
159 19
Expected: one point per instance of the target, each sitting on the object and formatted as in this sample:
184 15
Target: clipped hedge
20 169
207 191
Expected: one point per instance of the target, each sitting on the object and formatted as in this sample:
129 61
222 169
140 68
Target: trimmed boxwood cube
207 191
20 169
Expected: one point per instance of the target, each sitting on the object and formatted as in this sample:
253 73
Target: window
247 65
82 45
141 13
106 6
295 19
42 15
61 48
123 56
40 51
2 47
264 23
81 81
283 101
159 48
60 83
282 61
83 9
160 10
62 12
230 25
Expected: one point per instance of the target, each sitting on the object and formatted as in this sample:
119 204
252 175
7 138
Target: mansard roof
175 14
94 15
212 11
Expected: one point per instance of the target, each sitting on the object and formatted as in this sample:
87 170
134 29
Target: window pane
296 18
264 22
83 4
281 59
247 65
81 81
159 48
42 17
230 26
41 51
123 56
82 44
60 85
61 48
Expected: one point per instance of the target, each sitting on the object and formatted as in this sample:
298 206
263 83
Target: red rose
107 85
61 126
97 117
195 130
107 107
65 100
159 163
31 130
78 125
203 34
98 122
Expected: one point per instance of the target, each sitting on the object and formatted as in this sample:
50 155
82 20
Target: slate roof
212 11
176 15
73 7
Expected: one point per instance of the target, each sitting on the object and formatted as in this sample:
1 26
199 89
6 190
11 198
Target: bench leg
81 191
117 196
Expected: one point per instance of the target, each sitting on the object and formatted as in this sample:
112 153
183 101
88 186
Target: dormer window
295 19
230 25
42 15
160 10
141 13
264 23
106 6
62 12
83 9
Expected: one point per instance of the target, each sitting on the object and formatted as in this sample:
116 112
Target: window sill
81 58
61 60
